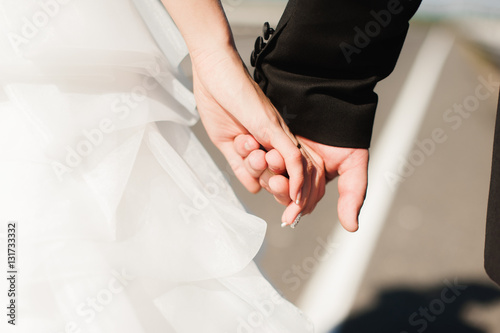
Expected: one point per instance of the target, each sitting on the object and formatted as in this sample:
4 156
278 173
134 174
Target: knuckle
264 184
296 155
310 168
255 189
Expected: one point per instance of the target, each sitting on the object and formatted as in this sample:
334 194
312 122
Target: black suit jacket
320 66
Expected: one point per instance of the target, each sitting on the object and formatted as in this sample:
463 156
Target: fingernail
296 221
247 146
297 201
283 224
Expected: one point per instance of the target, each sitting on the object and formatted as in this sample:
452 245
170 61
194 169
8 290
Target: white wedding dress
124 223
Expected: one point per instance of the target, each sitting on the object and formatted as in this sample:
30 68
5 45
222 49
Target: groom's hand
350 164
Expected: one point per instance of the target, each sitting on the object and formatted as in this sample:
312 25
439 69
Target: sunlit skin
349 164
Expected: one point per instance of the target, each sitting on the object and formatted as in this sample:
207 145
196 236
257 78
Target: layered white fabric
125 223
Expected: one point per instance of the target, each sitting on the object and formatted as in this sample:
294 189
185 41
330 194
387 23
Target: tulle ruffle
125 223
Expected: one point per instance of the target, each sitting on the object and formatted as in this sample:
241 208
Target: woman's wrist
215 55
202 23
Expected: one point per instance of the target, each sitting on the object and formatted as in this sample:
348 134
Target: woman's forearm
202 23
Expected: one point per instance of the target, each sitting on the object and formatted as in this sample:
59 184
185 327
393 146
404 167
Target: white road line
328 297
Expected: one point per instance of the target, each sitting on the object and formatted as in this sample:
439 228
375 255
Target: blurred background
431 241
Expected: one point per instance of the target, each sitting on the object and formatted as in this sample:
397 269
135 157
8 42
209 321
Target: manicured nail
296 221
247 145
283 224
297 201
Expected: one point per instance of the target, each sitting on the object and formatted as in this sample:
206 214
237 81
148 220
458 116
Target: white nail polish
297 201
283 224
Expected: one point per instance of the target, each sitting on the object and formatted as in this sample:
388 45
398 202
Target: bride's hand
230 103
274 180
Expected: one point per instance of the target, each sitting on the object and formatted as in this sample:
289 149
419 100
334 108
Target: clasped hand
240 120
349 164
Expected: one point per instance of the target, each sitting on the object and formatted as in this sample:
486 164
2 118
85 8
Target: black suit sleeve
321 65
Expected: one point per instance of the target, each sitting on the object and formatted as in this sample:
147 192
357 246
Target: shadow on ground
437 309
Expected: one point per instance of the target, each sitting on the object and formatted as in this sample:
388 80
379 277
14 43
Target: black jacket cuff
320 66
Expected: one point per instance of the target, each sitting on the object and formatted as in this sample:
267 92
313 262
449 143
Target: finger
255 163
296 207
317 183
244 144
278 185
240 171
283 200
275 162
293 212
319 179
290 214
293 162
317 191
305 192
352 190
264 180
309 192
299 180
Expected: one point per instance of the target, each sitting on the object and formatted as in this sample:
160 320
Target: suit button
259 44
253 59
267 31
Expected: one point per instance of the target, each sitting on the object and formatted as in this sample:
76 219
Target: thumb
352 184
